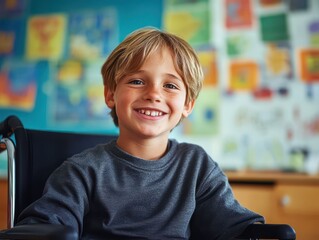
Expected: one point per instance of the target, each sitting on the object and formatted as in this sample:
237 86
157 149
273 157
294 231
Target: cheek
178 104
121 100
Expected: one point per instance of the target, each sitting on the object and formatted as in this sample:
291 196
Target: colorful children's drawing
18 85
314 34
209 65
278 61
274 27
77 94
92 34
238 13
10 35
45 37
270 3
244 76
298 5
189 21
309 65
9 8
204 118
235 45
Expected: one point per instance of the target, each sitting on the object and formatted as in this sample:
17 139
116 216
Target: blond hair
131 54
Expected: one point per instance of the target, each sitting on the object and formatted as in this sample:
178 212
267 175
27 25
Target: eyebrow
171 75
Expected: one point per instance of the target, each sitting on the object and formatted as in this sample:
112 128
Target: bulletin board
259 106
61 69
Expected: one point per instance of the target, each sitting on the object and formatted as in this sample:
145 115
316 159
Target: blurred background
259 107
258 110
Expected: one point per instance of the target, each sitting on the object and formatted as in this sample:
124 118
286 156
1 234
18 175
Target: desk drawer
297 199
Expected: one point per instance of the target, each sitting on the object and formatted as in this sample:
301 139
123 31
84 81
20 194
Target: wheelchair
27 174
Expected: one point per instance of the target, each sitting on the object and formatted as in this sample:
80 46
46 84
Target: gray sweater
105 193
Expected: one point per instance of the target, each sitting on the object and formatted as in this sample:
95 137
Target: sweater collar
141 163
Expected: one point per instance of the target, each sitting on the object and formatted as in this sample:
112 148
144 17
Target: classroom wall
259 107
123 17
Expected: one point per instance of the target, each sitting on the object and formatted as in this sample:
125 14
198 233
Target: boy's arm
64 200
218 215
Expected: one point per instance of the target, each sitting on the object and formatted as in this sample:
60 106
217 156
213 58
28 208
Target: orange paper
309 65
243 76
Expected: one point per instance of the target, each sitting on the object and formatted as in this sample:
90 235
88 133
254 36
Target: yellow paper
45 37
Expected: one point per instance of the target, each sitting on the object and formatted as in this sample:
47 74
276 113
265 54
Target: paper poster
78 95
92 34
306 123
9 8
190 22
270 3
45 37
236 45
266 153
18 85
204 118
238 13
208 62
278 61
274 27
233 153
243 44
10 35
309 65
314 34
298 5
244 76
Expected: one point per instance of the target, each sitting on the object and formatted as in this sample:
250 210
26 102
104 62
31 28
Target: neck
147 149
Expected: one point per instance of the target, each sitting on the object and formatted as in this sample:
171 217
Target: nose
153 93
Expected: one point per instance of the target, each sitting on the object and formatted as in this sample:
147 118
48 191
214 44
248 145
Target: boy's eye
136 82
171 86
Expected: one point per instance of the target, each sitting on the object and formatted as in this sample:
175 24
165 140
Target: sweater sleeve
218 214
65 199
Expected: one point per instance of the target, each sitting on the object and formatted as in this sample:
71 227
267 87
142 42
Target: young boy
144 185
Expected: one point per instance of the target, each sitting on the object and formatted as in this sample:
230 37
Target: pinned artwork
10 35
10 8
45 37
77 96
298 5
92 34
244 76
18 86
189 21
204 118
309 65
274 27
278 61
238 13
208 61
314 34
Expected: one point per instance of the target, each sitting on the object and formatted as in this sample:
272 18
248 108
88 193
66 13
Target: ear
109 97
188 108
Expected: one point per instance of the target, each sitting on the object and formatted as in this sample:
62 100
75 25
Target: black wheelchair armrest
268 231
40 231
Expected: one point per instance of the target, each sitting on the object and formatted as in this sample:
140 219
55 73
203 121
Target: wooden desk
3 203
281 198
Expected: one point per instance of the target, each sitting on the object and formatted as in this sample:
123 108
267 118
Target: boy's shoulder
193 153
93 155
187 147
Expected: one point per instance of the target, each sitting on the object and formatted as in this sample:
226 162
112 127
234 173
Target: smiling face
150 101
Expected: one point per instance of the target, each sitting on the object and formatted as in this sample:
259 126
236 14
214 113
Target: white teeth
150 113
